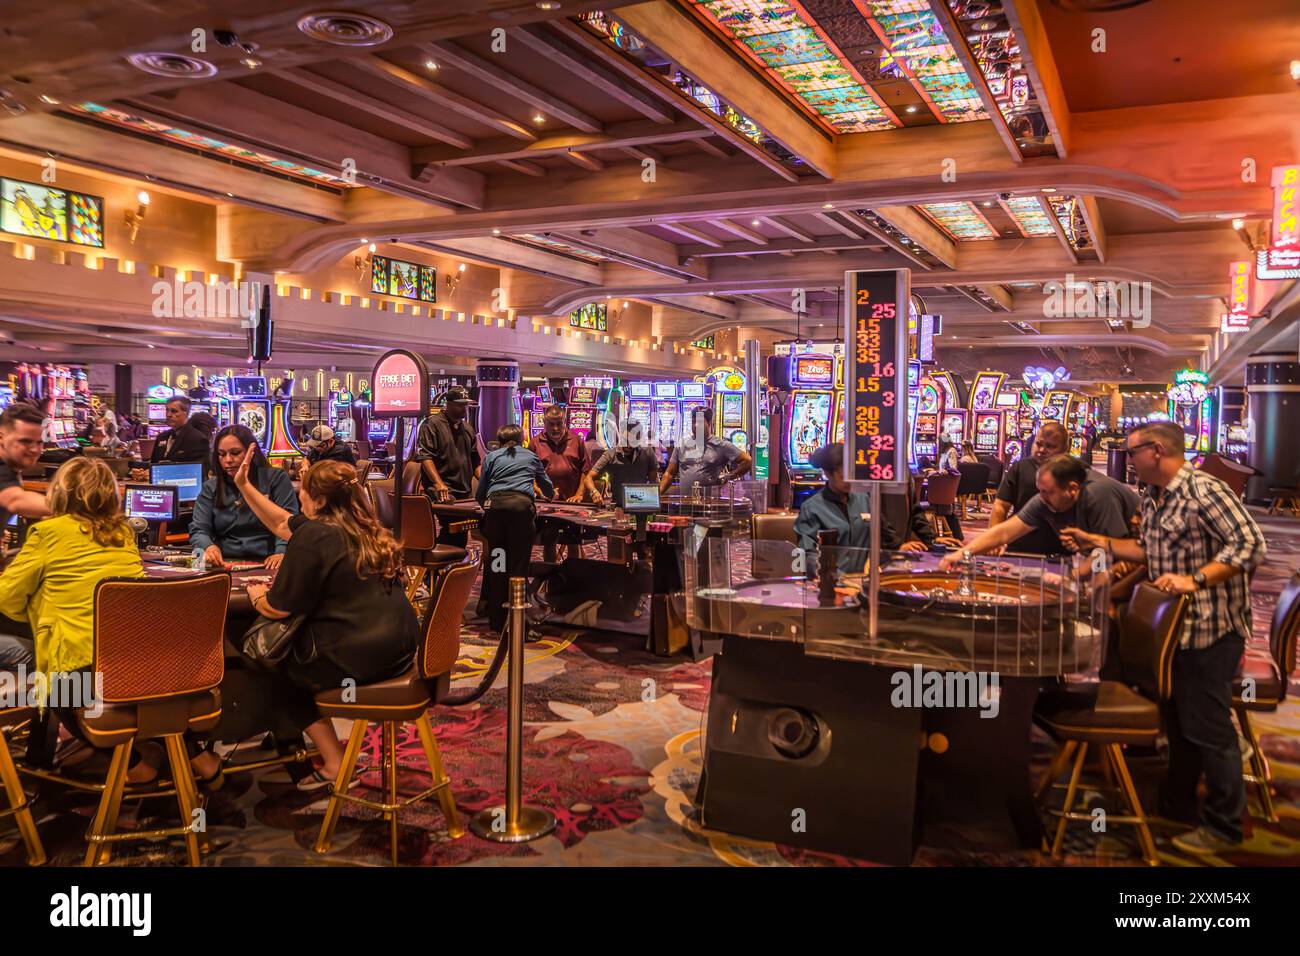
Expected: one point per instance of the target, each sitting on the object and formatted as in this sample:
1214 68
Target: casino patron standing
505 490
1198 539
704 459
447 450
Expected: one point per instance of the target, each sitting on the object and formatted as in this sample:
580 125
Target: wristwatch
1199 579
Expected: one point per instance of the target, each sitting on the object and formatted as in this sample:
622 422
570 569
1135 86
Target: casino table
242 574
809 711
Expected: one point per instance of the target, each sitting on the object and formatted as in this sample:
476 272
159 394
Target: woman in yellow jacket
51 581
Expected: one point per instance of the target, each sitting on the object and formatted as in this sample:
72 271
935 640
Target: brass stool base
534 823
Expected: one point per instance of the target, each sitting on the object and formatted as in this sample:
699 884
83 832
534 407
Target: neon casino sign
1190 387
1281 260
1044 380
1237 318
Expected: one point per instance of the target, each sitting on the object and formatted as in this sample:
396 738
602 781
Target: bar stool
158 645
1261 685
941 500
399 701
19 804
420 547
1111 714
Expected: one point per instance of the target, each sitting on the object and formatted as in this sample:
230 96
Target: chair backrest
774 527
974 478
1231 473
942 489
1149 631
440 643
146 447
996 469
411 472
156 639
418 529
381 496
1285 630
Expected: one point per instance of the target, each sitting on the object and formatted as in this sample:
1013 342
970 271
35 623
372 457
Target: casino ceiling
728 158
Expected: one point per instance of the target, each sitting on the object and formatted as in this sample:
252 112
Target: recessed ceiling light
547 5
1295 70
430 65
912 108
829 205
46 98
1049 189
539 119
251 62
754 222
988 202
496 232
231 195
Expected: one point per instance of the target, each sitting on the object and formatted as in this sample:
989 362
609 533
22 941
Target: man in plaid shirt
1197 539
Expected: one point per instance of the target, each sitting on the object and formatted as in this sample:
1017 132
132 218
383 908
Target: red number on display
883 310
887 399
887 370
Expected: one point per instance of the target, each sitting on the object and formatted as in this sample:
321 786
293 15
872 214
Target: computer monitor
641 499
153 503
186 477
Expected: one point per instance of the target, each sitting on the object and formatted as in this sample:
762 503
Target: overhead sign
400 386
1237 318
875 383
1281 260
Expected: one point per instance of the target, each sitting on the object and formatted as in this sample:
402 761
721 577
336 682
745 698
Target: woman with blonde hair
51 582
342 572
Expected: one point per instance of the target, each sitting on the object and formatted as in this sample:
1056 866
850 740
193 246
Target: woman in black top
342 570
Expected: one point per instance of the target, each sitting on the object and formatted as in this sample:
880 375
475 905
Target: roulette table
810 710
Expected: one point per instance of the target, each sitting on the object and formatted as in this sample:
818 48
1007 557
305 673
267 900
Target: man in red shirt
563 454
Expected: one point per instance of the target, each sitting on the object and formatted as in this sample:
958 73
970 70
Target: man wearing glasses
1197 539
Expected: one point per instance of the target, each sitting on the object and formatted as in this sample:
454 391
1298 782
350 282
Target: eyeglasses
1145 444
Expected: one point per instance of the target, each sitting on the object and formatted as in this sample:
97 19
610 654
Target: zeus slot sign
875 381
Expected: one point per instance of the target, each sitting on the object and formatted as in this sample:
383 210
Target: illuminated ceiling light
988 202
430 65
828 205
1049 189
231 195
50 100
912 108
547 4
539 119
754 222
251 62
1295 70
496 232
1238 224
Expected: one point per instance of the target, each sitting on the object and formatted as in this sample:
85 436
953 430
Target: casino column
498 380
1273 390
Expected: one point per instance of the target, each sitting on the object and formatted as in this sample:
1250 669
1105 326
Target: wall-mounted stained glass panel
86 220
44 212
428 284
593 316
378 274
409 280
705 343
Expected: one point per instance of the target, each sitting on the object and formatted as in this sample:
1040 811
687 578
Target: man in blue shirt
848 513
704 460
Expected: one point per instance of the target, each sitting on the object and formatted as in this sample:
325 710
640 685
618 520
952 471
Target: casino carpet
612 747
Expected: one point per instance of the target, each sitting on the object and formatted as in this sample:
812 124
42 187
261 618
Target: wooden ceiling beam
619 135
744 232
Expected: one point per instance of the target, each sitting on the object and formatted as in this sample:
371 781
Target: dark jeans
1202 738
508 525
954 526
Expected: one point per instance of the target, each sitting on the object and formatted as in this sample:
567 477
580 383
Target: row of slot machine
238 399
62 391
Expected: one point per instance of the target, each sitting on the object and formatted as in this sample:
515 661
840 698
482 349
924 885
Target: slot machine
811 418
1054 405
533 412
839 398
250 406
640 405
925 432
667 422
693 395
728 405
582 410
989 431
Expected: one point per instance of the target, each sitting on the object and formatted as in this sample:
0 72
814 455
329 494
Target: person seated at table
837 508
51 582
223 525
631 463
505 490
968 454
1070 495
324 445
342 571
20 447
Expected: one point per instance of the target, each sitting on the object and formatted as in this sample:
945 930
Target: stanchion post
514 823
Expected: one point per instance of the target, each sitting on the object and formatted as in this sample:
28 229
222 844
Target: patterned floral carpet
613 748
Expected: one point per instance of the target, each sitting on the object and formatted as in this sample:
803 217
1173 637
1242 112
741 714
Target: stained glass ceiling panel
1028 213
961 220
918 42
795 54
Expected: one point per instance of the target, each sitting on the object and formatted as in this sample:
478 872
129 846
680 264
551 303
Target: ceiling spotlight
828 205
496 232
430 65
251 62
912 108
50 100
231 195
753 222
1049 189
539 119
988 202
547 4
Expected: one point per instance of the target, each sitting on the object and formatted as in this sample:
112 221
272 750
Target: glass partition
1020 616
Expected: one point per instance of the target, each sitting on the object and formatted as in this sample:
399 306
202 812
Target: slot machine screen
580 420
251 386
733 409
665 389
638 390
814 371
638 410
810 417
667 423
544 394
640 499
692 389
582 395
156 413
1007 400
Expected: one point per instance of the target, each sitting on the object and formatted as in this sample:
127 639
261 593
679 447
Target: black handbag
270 639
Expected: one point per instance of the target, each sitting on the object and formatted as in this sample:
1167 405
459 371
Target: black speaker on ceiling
260 335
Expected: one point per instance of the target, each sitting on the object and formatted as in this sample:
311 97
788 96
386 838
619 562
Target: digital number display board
875 381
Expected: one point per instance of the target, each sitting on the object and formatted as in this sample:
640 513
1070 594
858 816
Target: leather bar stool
773 561
1113 714
19 805
158 645
1261 684
401 700
420 548
381 497
941 500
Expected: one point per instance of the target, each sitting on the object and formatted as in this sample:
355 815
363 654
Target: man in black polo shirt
631 463
1069 496
1020 486
447 450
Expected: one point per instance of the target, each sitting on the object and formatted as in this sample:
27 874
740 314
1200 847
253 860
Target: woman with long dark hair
505 490
342 571
224 525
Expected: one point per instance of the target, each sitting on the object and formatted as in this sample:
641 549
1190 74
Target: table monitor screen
641 499
150 502
187 478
